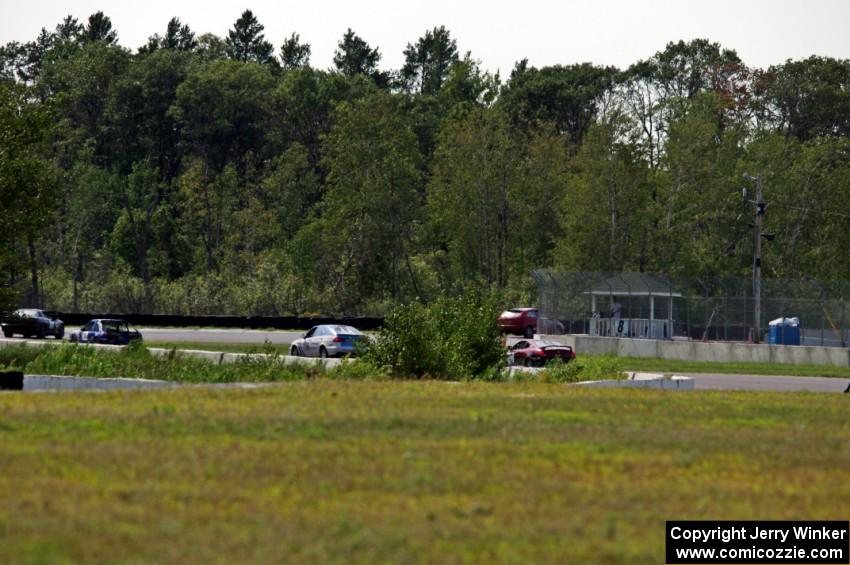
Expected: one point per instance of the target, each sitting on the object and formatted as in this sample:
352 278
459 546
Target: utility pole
760 205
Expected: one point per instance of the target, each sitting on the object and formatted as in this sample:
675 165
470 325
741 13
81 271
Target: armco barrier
247 322
706 351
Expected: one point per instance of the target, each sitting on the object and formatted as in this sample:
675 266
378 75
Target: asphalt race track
701 381
769 383
220 336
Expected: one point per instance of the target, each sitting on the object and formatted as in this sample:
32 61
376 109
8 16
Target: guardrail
247 322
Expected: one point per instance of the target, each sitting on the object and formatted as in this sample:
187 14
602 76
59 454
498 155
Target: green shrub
452 338
18 356
583 369
357 370
138 362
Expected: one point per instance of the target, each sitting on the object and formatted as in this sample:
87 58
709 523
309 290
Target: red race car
538 352
522 321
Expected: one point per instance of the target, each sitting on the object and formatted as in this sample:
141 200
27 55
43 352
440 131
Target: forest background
218 175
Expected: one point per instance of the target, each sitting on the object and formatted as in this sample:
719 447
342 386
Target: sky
497 32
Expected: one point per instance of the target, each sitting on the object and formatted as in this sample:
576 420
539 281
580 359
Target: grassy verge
673 366
373 472
138 362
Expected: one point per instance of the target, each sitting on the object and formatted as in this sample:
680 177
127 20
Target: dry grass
366 472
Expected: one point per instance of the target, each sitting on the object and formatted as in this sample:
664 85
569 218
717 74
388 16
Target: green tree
99 28
223 110
353 56
294 54
211 47
90 209
465 88
684 70
566 97
303 104
140 197
207 202
698 233
28 196
490 197
290 191
467 84
35 53
23 62
606 205
656 91
178 37
11 60
246 41
806 99
427 63
359 248
137 124
69 29
805 190
78 78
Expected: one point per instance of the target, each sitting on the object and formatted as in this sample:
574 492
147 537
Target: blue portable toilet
784 331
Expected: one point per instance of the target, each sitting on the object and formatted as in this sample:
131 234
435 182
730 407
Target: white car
328 340
112 332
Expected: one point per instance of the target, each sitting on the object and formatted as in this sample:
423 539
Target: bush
357 370
451 338
583 369
18 356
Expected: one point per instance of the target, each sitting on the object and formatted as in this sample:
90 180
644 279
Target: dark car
538 352
520 321
32 322
108 331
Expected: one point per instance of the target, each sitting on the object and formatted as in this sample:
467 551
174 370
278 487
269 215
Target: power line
809 209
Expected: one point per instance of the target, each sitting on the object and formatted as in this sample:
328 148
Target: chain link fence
660 307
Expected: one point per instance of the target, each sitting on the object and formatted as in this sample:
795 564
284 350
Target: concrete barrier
224 357
54 382
655 381
724 352
633 380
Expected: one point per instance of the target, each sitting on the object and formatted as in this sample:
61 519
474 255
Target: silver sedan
329 340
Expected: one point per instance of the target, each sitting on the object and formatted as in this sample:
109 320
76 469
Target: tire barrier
11 380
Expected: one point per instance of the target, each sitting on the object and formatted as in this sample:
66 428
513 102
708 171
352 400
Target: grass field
374 472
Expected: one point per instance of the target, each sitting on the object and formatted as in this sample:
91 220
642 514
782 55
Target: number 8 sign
621 327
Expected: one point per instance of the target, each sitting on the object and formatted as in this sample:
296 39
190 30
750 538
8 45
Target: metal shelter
624 317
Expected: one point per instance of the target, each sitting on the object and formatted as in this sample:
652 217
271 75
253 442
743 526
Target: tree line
211 175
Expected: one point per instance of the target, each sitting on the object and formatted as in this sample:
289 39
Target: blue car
108 331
